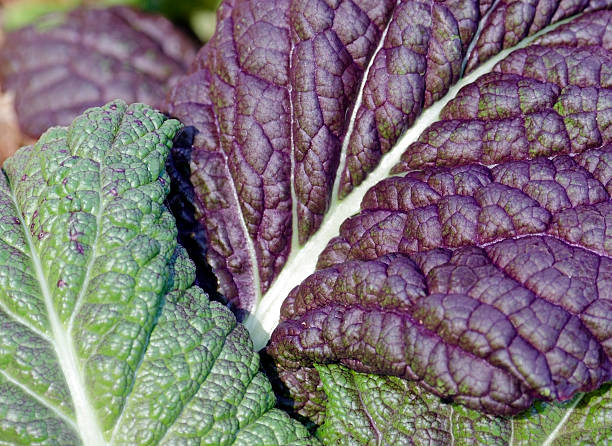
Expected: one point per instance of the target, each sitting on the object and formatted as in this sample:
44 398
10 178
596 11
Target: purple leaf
68 62
477 263
505 269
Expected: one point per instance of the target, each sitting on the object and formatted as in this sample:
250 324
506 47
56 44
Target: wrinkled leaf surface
105 341
372 409
478 261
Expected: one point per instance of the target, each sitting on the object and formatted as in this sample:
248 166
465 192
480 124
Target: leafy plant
465 250
105 340
371 409
67 62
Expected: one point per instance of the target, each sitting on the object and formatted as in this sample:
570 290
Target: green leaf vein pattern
105 341
368 409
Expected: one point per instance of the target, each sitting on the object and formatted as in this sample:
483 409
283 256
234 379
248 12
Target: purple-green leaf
458 225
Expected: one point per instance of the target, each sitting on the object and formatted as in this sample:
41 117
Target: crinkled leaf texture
67 62
370 409
479 262
105 341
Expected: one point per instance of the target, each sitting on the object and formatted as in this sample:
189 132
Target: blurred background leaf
196 16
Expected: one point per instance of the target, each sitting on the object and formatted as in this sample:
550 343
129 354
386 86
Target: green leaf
105 341
367 409
586 419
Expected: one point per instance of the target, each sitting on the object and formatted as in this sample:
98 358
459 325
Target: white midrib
450 424
349 131
568 412
302 262
295 238
87 422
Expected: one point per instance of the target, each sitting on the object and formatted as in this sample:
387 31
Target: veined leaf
383 410
105 341
448 230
